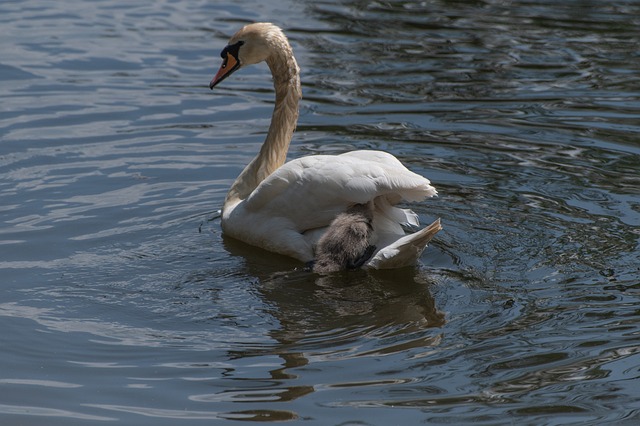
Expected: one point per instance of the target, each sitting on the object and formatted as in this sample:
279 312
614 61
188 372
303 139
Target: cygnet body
347 242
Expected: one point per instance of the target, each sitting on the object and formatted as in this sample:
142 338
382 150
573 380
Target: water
122 301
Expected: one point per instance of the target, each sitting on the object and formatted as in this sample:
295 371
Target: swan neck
273 153
286 81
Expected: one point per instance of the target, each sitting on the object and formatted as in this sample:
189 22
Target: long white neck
273 153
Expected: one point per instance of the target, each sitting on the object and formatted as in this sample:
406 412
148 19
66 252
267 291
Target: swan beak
229 65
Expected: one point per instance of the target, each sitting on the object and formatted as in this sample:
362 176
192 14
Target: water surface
122 301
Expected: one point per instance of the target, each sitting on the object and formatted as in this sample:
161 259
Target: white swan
286 207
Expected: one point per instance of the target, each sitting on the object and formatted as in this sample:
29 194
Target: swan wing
310 191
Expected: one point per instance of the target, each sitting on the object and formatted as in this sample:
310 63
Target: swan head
252 44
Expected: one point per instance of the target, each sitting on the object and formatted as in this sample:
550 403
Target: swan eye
231 49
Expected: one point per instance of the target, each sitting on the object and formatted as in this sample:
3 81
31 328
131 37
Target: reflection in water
338 310
328 302
346 315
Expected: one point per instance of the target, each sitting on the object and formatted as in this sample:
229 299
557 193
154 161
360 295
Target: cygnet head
252 44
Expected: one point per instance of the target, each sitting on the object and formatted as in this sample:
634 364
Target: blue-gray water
121 301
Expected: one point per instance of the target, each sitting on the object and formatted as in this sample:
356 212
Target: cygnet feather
347 242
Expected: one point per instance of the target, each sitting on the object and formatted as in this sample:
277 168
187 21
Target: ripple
26 410
45 383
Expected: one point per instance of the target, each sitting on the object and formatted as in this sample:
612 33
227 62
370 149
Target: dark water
121 301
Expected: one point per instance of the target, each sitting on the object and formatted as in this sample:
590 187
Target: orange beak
229 65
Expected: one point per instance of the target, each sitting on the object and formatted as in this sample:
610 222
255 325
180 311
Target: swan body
287 207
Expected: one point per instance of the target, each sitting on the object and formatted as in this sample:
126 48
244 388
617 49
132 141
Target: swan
285 207
348 242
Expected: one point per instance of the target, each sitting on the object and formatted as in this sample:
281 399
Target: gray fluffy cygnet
346 244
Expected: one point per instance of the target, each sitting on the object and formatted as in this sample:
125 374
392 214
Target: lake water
120 300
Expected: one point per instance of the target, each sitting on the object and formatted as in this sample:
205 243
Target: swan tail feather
406 250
